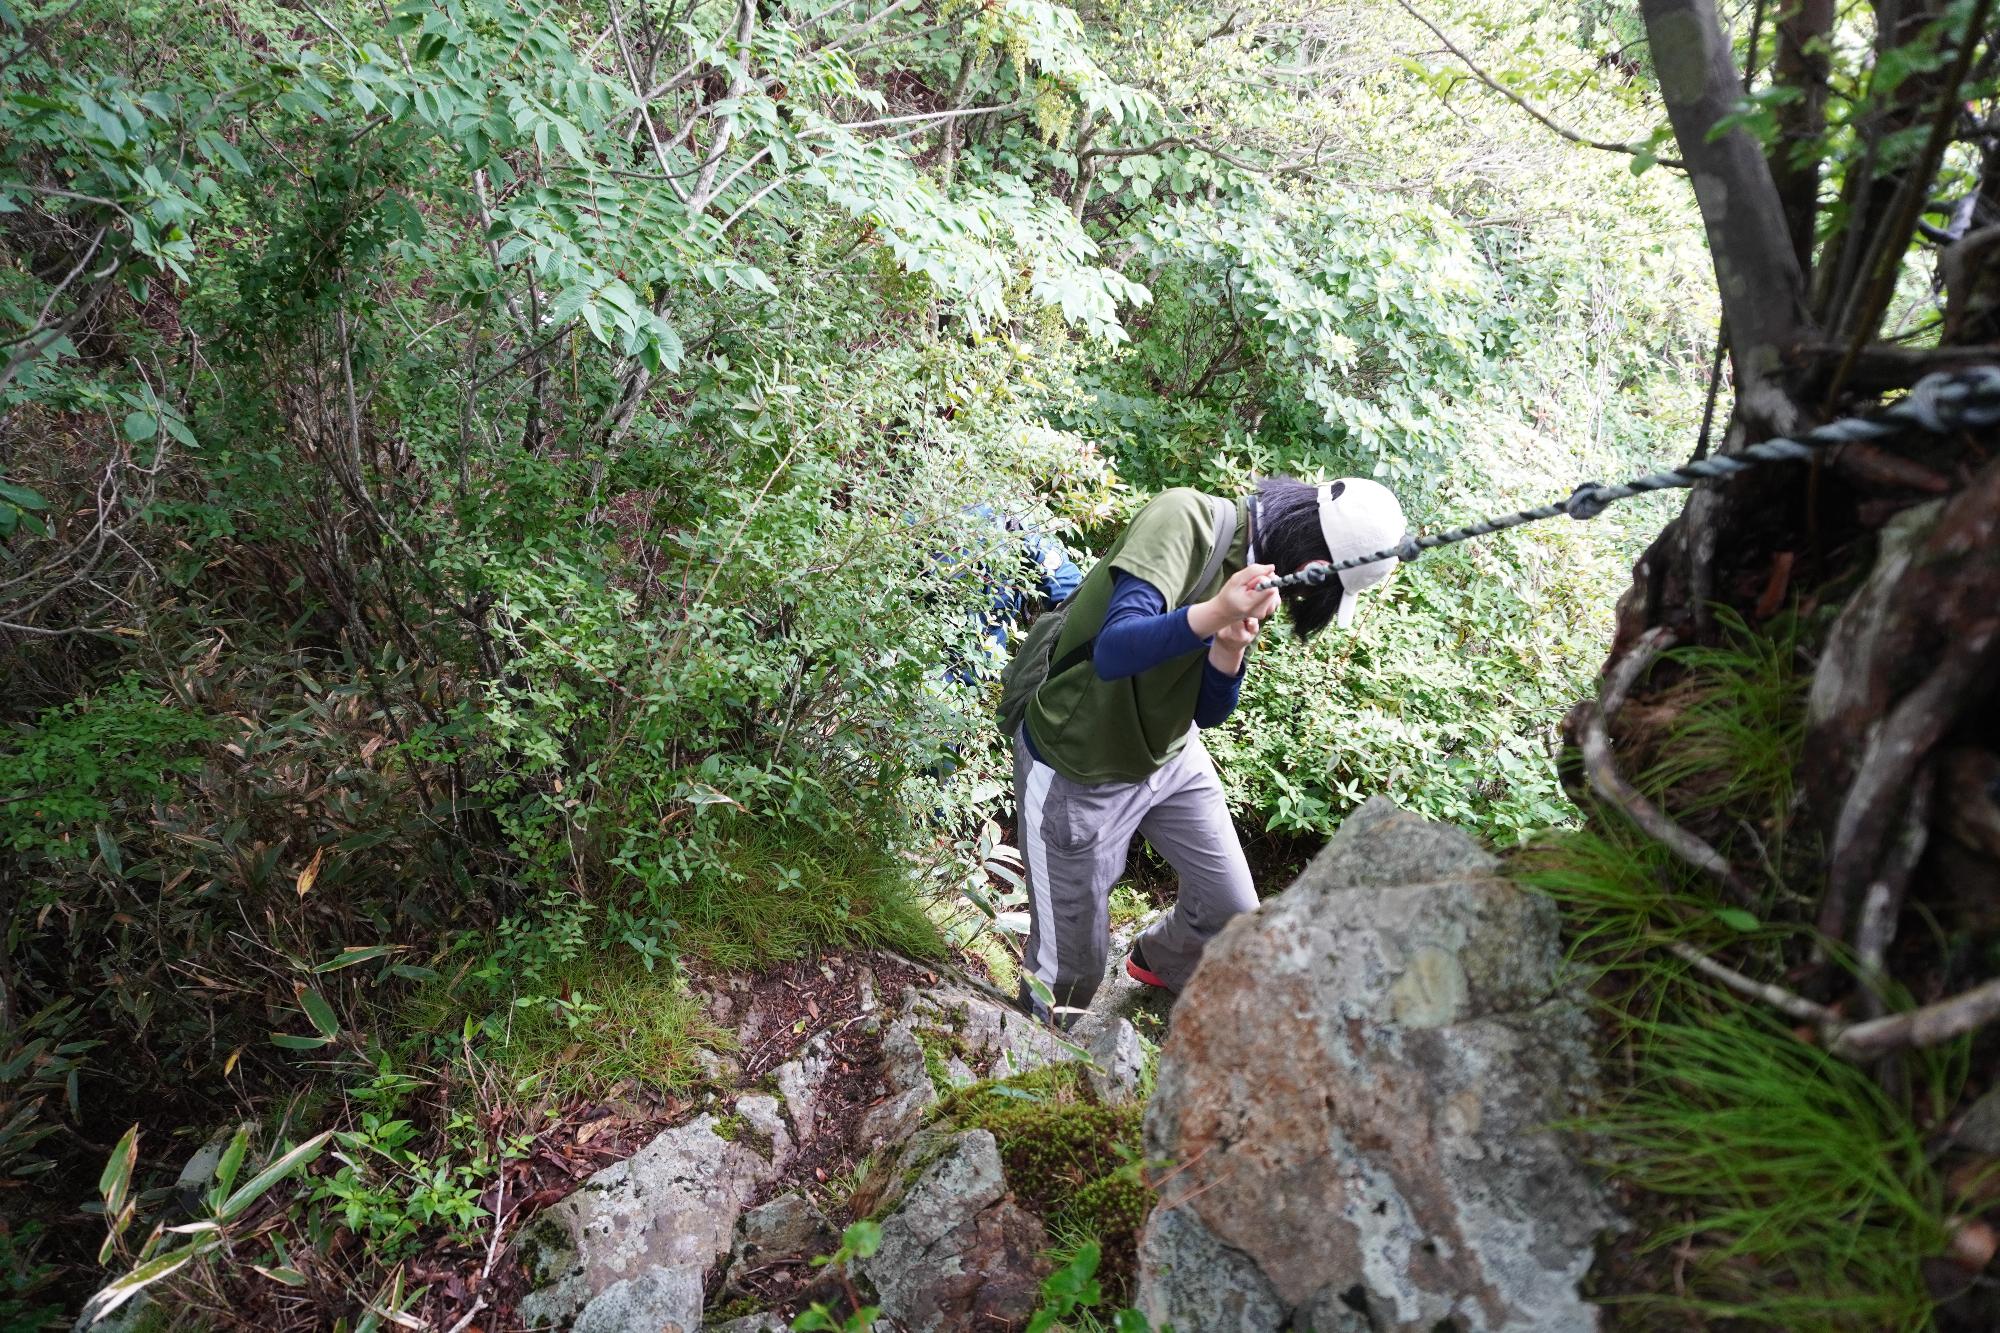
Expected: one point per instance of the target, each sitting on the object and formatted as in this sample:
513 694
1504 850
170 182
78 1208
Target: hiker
1152 649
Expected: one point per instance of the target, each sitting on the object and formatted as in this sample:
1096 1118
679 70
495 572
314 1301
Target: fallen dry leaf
601 1125
311 872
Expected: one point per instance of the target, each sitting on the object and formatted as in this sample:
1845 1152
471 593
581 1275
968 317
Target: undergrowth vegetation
489 514
1774 1183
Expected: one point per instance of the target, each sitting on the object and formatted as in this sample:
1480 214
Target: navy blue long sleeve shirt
1139 633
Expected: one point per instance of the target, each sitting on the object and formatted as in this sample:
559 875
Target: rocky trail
1346 1130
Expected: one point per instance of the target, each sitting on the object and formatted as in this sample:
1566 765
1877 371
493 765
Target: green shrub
77 773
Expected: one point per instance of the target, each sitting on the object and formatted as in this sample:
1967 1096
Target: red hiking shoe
1135 968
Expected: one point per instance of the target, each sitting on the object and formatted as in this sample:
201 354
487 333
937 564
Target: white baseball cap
1359 517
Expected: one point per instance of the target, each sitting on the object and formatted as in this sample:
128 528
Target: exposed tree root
1928 1026
1933 602
1789 1003
1611 786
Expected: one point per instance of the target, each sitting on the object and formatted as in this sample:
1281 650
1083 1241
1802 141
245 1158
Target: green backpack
1030 665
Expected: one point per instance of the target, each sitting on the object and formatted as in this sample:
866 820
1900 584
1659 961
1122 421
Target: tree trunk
1903 537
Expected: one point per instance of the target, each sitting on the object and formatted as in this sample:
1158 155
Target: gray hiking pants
1074 838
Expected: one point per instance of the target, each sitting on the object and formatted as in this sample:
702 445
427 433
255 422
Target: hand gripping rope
1937 403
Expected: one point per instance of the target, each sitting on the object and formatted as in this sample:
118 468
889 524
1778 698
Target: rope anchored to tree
1938 403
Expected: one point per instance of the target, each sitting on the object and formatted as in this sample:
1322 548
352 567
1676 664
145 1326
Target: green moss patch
939 1048
1072 1159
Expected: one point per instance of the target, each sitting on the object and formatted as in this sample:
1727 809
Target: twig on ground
465 1320
1790 1004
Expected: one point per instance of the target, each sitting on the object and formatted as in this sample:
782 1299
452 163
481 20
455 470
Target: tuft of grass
1618 890
1731 753
1066 1242
1724 761
615 1022
1624 901
776 897
1800 1194
591 1015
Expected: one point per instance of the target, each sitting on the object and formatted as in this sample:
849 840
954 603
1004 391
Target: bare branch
645 116
916 118
746 27
753 200
882 16
1631 150
891 39
1294 167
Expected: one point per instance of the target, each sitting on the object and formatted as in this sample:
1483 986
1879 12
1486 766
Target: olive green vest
1093 730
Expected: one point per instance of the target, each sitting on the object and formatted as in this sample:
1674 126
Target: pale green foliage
1366 306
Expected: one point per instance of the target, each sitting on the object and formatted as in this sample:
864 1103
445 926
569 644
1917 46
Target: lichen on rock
1357 1095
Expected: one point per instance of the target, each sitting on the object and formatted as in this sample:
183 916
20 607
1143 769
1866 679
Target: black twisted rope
1937 403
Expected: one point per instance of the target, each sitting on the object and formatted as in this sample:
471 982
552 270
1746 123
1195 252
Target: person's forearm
1217 699
1205 618
1139 632
1229 661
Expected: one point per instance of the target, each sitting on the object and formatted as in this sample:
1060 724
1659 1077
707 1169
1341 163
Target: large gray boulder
1357 1091
957 1252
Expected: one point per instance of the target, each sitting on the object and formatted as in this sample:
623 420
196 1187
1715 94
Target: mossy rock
940 1047
1069 1157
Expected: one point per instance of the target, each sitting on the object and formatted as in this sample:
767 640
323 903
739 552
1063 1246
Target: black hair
1288 536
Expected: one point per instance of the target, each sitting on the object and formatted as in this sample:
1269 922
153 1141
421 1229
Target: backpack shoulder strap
1224 512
